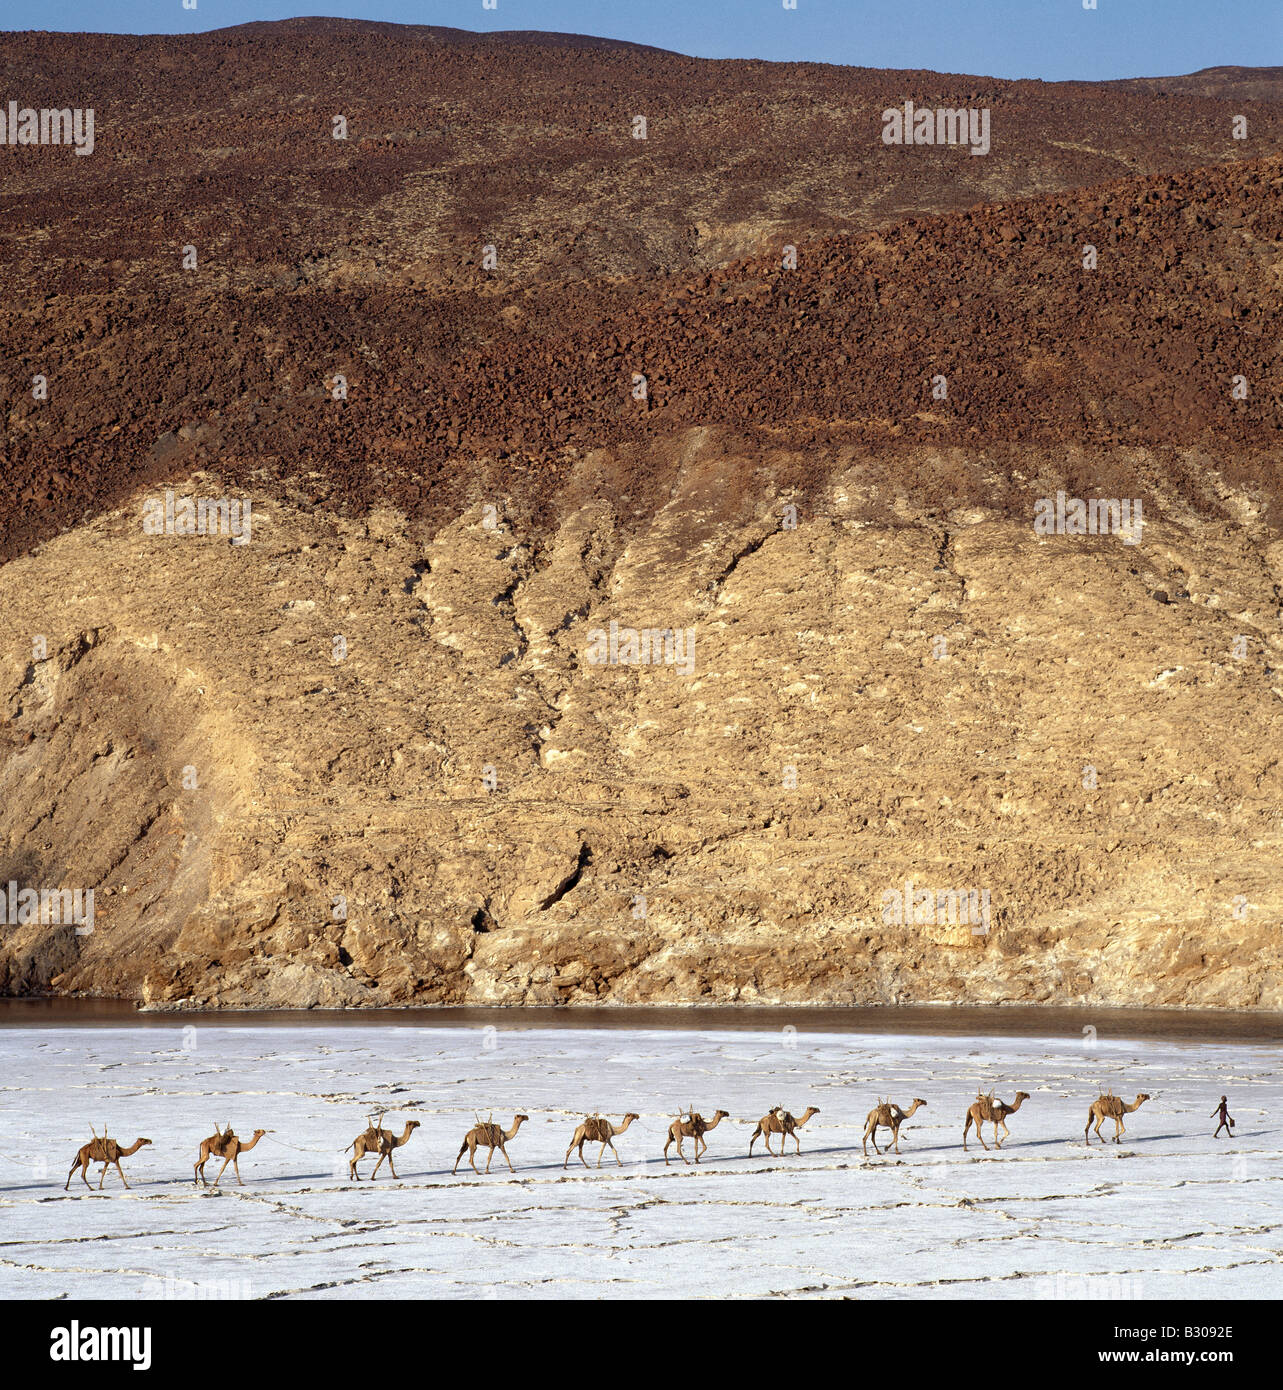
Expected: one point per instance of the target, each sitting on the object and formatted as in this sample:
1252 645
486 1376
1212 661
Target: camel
690 1125
779 1121
887 1114
105 1151
493 1137
985 1108
597 1130
1111 1107
224 1144
978 1111
381 1142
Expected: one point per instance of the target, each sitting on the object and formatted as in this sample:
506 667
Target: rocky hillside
372 756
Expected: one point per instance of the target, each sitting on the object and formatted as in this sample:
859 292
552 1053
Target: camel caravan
381 1144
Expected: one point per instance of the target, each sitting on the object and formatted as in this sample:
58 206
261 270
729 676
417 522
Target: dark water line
1209 1025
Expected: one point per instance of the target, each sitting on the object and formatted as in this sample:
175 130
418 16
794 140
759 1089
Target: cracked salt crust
1170 1212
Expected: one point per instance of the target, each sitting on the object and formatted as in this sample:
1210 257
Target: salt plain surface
1170 1212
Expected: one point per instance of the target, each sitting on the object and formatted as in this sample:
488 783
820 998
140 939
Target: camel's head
918 1101
259 1133
520 1117
1142 1096
632 1116
721 1115
412 1124
141 1142
1022 1095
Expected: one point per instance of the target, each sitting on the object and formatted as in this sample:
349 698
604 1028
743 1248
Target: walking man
1226 1121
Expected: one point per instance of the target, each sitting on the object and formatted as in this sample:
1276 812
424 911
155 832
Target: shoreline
1011 1020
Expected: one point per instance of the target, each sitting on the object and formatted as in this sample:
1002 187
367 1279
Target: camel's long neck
516 1125
624 1123
713 1123
1136 1105
1015 1105
249 1143
132 1149
405 1134
912 1108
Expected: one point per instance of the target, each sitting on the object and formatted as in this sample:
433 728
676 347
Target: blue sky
1051 39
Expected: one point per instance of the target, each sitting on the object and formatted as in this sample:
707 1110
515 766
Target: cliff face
532 687
868 699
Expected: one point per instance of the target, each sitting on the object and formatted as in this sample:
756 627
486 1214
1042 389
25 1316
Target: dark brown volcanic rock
362 257
1247 84
1141 352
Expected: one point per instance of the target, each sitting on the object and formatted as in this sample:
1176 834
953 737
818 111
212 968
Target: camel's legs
236 1168
72 1174
101 1176
1119 1130
392 1166
120 1171
796 1140
766 1138
377 1166
613 1150
223 1169
503 1149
